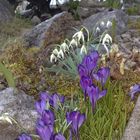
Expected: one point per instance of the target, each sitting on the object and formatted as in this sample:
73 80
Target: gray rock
35 20
132 131
134 18
119 16
6 12
91 3
49 31
20 107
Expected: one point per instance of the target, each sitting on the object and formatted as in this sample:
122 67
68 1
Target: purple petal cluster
88 72
54 100
24 136
75 119
46 121
134 90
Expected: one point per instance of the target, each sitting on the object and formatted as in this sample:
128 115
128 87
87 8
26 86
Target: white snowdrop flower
104 0
83 50
64 47
55 51
98 30
121 1
60 54
123 7
79 35
73 43
106 40
53 58
102 24
109 24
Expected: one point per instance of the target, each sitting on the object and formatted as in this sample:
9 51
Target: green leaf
8 75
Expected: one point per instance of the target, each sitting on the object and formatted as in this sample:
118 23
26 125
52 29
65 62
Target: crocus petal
102 75
44 132
82 118
24 136
83 71
93 95
75 119
48 117
134 89
102 93
40 106
59 136
85 82
45 96
90 61
55 100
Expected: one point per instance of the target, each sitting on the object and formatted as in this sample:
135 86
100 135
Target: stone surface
132 131
49 31
6 12
91 3
20 107
119 16
35 20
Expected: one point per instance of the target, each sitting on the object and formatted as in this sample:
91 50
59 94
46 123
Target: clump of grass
111 115
11 30
134 24
113 4
134 10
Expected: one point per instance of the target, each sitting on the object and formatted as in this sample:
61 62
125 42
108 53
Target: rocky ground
54 30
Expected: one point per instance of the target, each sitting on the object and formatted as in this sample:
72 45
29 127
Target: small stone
35 20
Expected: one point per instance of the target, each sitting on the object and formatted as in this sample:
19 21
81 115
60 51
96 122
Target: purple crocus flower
24 136
82 70
48 117
59 136
94 95
85 82
45 132
75 119
45 96
40 106
134 89
102 75
56 100
90 61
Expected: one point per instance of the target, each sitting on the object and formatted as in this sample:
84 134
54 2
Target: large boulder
120 18
20 107
6 12
49 31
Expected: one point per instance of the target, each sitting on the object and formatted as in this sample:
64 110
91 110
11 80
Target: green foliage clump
134 10
110 117
8 75
11 30
73 7
113 4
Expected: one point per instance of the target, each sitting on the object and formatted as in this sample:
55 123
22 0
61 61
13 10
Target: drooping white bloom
73 43
55 51
64 47
106 40
53 58
121 1
79 35
109 24
83 50
60 54
102 24
98 30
